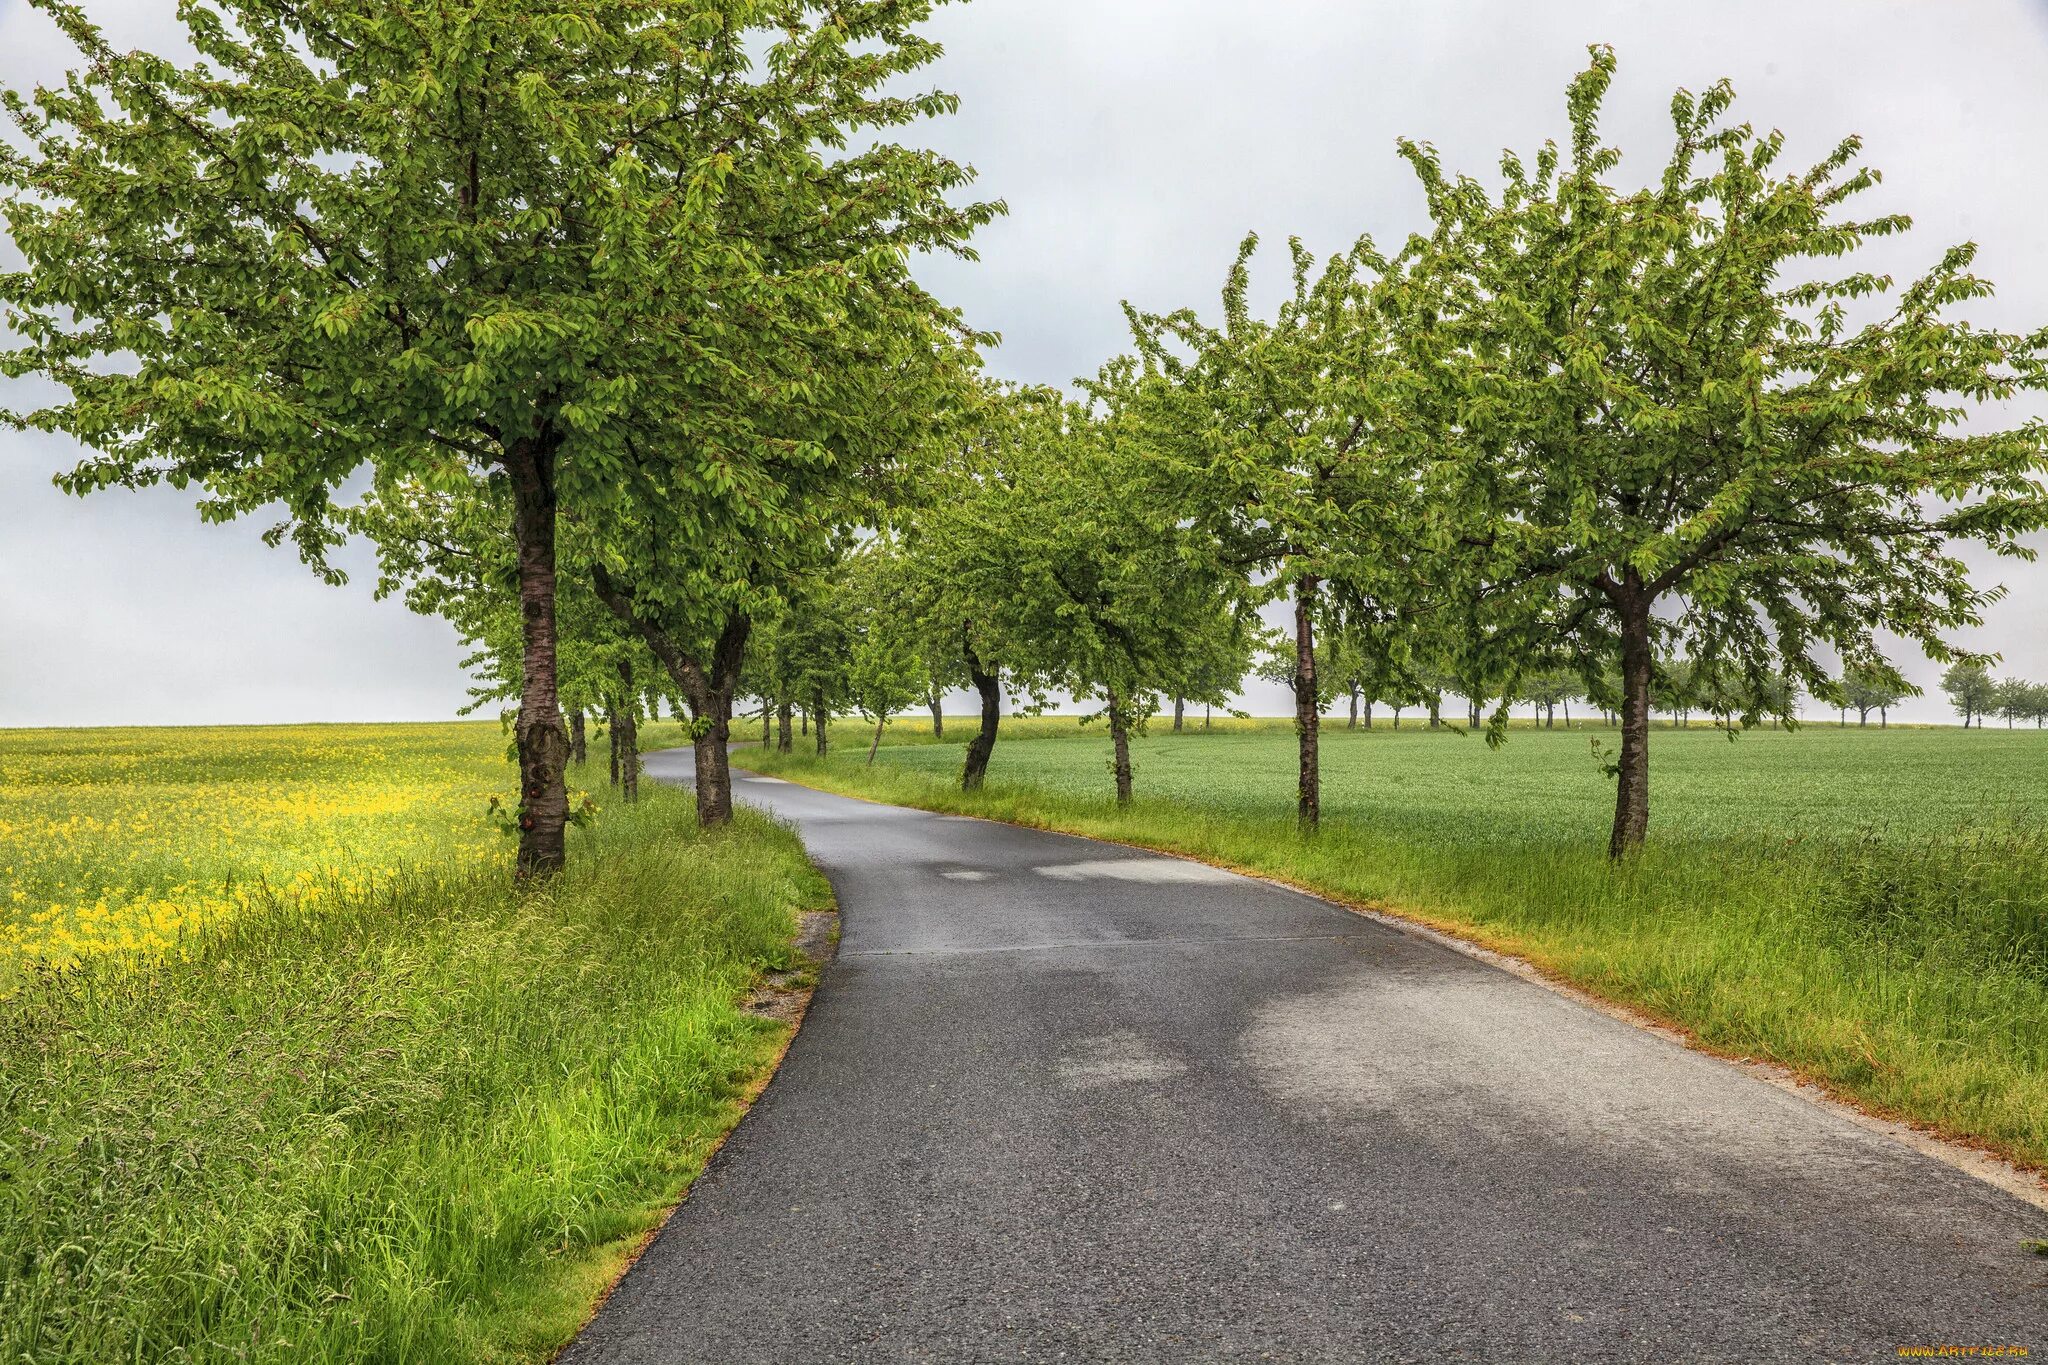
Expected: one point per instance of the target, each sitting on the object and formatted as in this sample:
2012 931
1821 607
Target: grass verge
1909 976
429 1122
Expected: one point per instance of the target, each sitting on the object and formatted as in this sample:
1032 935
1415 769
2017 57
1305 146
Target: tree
1289 443
1091 579
1864 691
513 245
1970 690
1548 689
2013 699
1670 434
883 672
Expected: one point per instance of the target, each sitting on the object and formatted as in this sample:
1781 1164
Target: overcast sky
1135 141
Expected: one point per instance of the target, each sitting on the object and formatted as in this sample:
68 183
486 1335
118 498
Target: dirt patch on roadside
785 995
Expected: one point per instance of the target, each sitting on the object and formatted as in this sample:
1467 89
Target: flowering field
135 840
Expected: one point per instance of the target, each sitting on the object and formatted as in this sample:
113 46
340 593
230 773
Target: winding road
1061 1100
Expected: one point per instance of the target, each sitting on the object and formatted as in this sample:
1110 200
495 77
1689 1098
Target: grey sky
1136 141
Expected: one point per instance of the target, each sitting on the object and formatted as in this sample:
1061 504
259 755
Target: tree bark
783 742
936 702
1365 713
820 716
875 744
1180 711
611 734
629 733
542 741
1308 804
708 688
1472 713
1120 747
1352 724
1632 786
1436 717
988 685
579 747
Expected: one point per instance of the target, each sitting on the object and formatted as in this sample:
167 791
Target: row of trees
605 311
1975 694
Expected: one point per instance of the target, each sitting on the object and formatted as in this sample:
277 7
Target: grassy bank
1868 908
423 1118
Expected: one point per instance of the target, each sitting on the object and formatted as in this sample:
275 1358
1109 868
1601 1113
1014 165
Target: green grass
1868 907
423 1120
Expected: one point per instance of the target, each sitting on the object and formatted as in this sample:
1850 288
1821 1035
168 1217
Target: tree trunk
783 743
1436 718
821 716
875 744
1307 714
988 686
1120 745
1365 710
542 741
579 748
1352 724
807 720
1472 709
1884 718
936 702
1632 787
1180 711
611 734
629 733
708 687
767 725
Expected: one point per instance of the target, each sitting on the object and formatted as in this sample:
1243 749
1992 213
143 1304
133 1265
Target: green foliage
1864 691
1061 547
1970 690
643 271
1672 429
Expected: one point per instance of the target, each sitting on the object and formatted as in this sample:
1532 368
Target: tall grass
423 1122
1901 960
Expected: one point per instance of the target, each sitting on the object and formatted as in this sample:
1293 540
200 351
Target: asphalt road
1059 1100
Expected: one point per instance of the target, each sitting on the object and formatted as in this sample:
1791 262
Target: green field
1868 907
341 1093
1545 786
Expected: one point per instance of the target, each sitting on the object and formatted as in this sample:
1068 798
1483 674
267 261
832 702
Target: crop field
137 841
1868 907
290 1071
1547 785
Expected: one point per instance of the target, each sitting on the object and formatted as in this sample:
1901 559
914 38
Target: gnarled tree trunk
708 687
542 741
988 685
